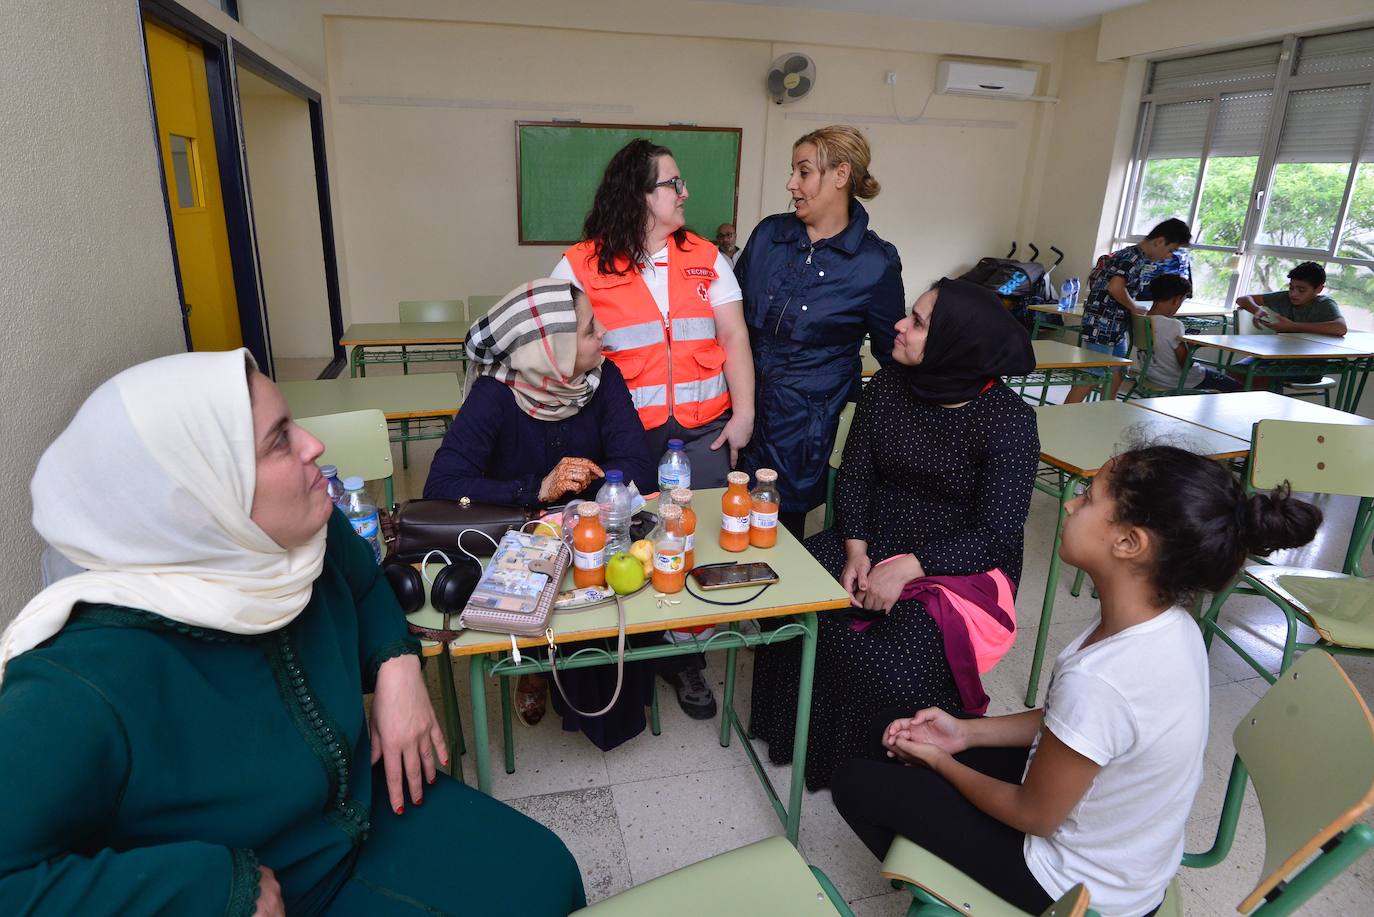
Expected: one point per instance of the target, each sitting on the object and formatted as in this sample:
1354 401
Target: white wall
427 182
286 217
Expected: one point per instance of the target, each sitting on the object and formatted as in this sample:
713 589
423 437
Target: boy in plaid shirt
1114 289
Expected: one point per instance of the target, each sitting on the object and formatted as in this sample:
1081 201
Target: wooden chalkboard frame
685 128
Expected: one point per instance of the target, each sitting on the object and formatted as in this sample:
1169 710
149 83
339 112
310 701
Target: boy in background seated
1168 292
1113 292
1301 308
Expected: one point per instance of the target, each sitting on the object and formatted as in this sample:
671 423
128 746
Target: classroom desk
427 335
1076 440
804 588
1361 340
1057 363
1309 354
1236 413
403 399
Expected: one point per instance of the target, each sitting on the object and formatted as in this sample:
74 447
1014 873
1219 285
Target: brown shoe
531 698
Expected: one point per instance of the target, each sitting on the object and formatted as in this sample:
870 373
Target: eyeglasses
677 183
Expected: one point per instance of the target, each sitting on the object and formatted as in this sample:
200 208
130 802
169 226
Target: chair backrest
1142 342
1309 747
431 310
1317 457
357 443
1073 903
479 306
842 434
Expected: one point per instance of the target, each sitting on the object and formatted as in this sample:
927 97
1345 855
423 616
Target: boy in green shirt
1302 308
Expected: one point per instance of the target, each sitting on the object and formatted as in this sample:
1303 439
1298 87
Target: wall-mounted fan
791 77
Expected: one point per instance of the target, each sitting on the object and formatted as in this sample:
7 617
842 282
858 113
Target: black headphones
448 593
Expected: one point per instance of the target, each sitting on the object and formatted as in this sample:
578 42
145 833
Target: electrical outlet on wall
892 77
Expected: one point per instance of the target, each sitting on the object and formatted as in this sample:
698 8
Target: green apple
624 573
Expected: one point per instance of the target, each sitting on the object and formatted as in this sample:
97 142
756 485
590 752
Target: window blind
1179 130
1241 121
1212 71
1322 125
1340 53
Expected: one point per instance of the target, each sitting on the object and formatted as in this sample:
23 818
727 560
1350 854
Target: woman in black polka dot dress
937 473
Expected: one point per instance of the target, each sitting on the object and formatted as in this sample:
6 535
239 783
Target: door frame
223 56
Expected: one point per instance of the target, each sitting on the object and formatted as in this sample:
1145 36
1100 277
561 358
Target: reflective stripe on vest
700 389
694 329
632 336
648 396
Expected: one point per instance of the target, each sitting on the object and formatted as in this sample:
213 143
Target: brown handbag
429 525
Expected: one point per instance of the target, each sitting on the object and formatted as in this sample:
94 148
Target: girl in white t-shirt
1095 787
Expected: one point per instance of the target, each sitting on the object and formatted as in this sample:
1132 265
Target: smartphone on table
733 575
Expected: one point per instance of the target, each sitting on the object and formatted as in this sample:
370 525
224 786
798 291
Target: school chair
833 466
1308 747
1322 387
1320 458
357 443
767 877
479 306
1143 344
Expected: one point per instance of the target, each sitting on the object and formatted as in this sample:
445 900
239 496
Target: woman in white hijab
183 722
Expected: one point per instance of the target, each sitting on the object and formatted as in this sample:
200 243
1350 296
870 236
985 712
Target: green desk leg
453 719
355 362
507 739
808 671
477 681
728 701
1051 584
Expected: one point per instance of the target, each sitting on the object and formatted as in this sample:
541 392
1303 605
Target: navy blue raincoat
808 308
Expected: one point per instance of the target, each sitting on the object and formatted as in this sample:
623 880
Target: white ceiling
1054 15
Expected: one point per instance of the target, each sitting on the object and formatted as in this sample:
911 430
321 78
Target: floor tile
585 820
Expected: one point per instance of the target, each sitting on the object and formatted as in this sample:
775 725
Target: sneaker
693 694
531 698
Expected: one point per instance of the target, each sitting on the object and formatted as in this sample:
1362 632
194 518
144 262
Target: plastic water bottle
614 497
1077 285
1066 296
336 488
674 469
362 512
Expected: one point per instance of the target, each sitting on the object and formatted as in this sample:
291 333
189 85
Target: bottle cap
674 444
737 477
766 475
588 509
353 482
670 513
681 496
329 471
614 475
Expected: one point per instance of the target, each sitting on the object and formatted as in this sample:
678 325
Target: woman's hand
270 903
738 430
931 726
854 578
887 580
405 732
570 476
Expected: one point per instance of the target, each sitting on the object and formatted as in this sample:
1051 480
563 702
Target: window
186 172
1268 153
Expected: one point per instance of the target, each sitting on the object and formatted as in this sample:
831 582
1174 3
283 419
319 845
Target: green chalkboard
560 166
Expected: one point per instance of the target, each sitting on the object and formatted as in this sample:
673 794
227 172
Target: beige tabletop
1081 438
1235 413
1051 354
397 333
803 586
1187 310
1360 341
1279 346
398 397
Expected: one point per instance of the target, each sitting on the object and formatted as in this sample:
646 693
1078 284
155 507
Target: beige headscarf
149 489
529 341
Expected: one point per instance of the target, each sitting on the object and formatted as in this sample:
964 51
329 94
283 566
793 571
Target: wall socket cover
892 78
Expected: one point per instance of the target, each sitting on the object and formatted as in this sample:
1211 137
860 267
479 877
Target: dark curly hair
619 213
1203 523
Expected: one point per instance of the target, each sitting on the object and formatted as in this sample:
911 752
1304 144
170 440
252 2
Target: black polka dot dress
950 485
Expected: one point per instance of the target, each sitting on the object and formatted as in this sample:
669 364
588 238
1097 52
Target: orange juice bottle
589 547
670 561
763 509
734 512
683 497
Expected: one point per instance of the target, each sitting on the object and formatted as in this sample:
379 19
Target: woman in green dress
183 727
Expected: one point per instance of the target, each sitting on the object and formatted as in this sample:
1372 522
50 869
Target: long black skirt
899 661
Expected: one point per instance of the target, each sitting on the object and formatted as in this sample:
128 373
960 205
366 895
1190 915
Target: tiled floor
657 803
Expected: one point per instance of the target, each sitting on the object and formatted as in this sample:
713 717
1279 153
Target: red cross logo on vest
703 292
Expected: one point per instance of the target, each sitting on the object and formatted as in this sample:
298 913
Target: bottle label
369 528
668 479
735 525
691 541
763 520
669 563
589 560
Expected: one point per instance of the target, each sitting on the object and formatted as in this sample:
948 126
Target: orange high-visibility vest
673 366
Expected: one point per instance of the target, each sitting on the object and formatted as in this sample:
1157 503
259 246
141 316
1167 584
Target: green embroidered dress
148 767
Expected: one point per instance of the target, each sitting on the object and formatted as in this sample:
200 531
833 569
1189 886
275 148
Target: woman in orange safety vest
672 311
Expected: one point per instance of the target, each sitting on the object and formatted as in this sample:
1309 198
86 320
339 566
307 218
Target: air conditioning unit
962 78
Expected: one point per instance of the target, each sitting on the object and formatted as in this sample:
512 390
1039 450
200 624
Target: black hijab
972 339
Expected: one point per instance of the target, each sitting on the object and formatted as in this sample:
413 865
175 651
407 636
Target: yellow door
181 96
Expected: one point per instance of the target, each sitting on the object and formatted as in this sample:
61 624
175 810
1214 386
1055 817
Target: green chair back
1073 903
1309 747
357 443
479 306
842 434
431 310
1317 457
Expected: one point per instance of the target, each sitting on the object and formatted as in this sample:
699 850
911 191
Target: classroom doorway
195 199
